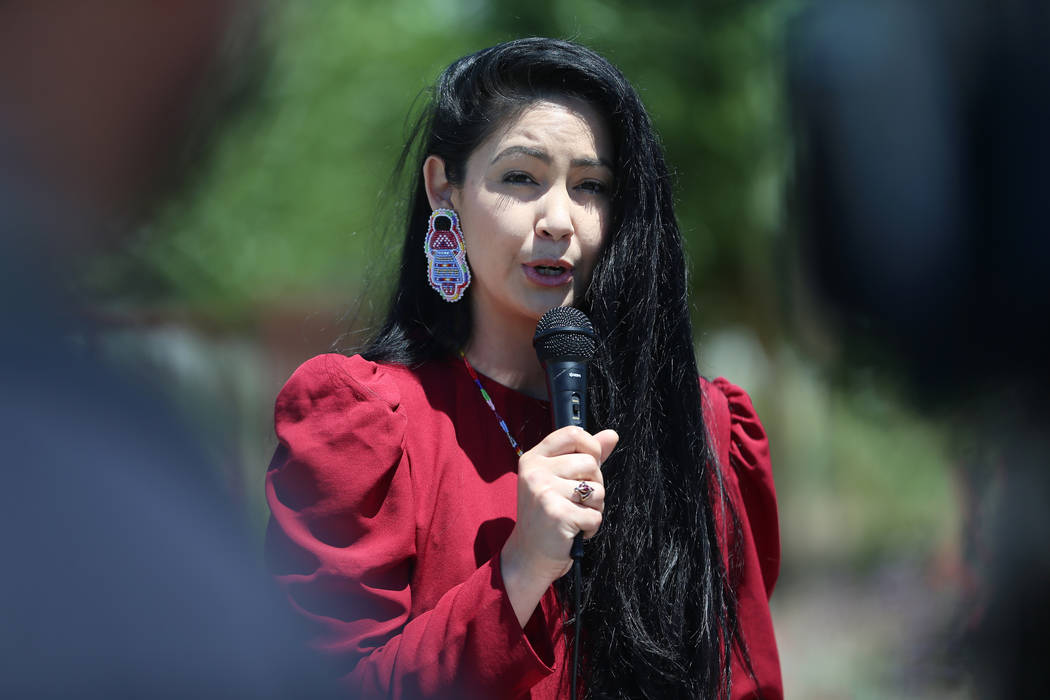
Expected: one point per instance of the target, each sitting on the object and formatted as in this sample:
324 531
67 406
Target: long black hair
661 616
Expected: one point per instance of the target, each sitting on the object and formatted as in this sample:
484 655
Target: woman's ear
439 189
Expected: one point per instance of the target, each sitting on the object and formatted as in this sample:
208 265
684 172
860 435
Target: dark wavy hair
659 608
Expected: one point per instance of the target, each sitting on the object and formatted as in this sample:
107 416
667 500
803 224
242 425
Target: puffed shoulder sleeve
753 548
340 500
341 543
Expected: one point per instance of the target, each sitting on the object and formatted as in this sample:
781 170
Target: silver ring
583 491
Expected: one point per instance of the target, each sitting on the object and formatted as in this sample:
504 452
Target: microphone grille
564 333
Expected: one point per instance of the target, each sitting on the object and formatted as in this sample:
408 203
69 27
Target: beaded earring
446 253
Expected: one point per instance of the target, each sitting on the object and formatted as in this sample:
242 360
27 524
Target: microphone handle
567 389
577 547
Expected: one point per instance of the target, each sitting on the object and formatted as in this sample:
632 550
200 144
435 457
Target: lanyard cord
485 395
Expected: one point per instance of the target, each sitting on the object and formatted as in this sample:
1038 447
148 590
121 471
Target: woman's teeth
551 271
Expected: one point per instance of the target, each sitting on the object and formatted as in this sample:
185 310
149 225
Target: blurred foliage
288 209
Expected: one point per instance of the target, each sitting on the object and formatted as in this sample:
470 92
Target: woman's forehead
562 124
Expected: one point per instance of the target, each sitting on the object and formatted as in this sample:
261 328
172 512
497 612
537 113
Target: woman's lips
542 272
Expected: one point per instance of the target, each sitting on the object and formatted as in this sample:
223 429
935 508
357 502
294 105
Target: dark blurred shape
125 569
106 101
924 178
924 202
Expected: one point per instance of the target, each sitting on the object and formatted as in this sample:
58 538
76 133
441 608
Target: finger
608 439
571 516
588 521
575 467
588 494
568 440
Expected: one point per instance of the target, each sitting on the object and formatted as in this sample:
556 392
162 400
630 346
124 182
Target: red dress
392 492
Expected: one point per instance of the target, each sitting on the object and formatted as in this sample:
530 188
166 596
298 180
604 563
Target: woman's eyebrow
542 155
522 150
590 163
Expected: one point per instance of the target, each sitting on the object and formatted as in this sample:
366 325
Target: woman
422 507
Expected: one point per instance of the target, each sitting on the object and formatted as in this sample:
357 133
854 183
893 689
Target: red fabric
392 492
740 443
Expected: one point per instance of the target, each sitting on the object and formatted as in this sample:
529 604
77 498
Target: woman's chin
542 306
522 305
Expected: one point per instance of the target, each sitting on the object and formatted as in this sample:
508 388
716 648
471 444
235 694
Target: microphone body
565 343
567 390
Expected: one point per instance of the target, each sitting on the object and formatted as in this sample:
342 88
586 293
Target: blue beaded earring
446 253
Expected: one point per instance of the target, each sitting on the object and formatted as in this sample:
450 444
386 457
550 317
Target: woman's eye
593 186
518 178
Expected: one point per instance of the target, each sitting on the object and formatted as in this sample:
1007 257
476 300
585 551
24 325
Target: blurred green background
277 249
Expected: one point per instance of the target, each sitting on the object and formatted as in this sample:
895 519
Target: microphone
565 342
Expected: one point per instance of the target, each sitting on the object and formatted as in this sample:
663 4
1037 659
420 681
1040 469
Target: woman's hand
551 511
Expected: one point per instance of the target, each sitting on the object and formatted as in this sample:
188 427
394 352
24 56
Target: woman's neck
501 349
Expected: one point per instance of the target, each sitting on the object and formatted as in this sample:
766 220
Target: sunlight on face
534 206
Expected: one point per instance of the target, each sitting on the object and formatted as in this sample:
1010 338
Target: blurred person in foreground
924 182
423 511
125 573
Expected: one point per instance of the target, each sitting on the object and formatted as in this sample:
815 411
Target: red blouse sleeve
341 543
754 551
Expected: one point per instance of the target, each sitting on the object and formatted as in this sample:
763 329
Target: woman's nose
555 220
